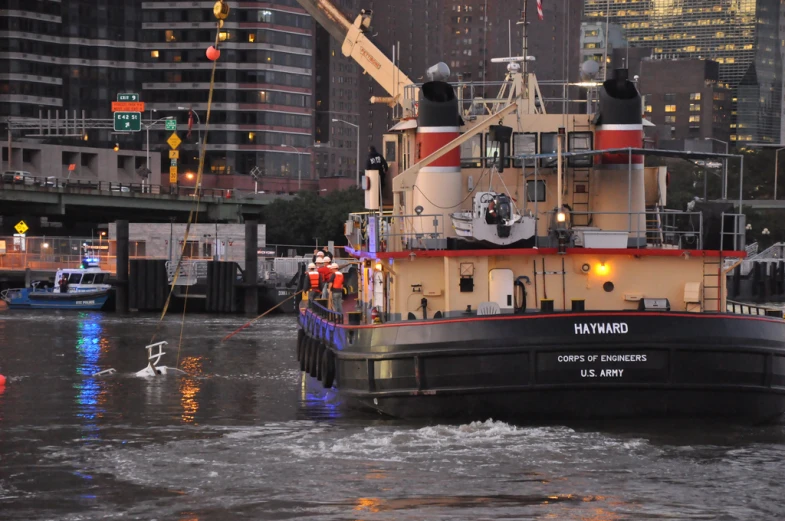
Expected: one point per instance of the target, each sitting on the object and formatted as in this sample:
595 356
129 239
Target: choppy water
246 437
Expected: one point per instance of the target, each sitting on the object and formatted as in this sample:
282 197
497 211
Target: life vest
313 276
338 281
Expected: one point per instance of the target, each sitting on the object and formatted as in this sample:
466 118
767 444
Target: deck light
378 266
602 269
561 217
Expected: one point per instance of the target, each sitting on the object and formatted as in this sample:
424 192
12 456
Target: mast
525 23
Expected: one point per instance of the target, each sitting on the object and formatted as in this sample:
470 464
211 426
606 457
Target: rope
193 215
244 326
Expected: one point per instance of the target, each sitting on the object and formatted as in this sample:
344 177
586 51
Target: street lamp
147 129
724 166
198 121
358 145
299 171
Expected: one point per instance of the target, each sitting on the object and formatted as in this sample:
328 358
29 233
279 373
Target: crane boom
355 45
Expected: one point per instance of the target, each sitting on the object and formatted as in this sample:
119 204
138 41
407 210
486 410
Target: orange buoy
2 380
213 53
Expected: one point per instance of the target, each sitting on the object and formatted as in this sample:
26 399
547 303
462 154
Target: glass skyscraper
745 37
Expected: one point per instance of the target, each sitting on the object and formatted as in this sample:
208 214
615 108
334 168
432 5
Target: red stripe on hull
606 139
430 142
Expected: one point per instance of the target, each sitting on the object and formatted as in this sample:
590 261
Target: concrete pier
121 304
251 280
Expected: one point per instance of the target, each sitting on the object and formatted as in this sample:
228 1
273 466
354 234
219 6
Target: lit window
223 36
695 107
695 96
252 37
170 37
695 119
265 16
263 96
251 136
648 108
154 54
670 108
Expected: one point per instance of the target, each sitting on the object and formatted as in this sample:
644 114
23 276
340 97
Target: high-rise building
685 100
597 44
744 36
261 118
77 55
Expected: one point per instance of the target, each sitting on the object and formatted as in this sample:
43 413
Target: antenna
524 22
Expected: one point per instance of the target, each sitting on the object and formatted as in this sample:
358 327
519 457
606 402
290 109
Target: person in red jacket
336 289
324 273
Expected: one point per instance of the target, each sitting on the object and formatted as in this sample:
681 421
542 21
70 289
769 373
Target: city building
685 100
261 120
598 46
76 56
744 36
336 109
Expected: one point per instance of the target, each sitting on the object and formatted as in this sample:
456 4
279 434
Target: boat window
471 152
548 146
535 192
492 147
74 278
87 278
99 278
524 143
580 142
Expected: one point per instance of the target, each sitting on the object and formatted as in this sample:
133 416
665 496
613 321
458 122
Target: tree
310 216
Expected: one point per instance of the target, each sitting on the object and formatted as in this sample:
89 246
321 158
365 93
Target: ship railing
391 233
673 230
741 308
320 307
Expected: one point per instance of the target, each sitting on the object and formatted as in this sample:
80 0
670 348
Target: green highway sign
128 96
127 121
171 124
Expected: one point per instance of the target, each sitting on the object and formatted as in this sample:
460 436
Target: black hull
281 296
557 366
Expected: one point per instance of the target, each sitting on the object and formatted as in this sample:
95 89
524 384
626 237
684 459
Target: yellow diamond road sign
21 227
174 141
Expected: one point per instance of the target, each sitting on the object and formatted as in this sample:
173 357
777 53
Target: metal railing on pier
740 308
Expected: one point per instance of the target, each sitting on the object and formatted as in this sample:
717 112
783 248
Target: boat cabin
88 278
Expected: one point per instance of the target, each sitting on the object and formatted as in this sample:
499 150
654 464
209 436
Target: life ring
2 380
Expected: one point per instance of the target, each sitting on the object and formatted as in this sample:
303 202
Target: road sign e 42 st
127 121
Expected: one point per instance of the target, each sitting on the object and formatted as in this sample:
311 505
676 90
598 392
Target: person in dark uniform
377 162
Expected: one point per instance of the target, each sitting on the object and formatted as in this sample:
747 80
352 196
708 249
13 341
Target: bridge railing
60 185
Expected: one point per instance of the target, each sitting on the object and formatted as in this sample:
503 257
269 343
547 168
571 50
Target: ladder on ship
712 283
654 231
581 178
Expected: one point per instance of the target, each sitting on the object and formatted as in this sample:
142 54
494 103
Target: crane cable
194 213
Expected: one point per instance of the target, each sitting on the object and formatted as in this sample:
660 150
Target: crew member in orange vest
322 266
336 288
314 280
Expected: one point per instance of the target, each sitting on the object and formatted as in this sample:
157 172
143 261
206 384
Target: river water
244 436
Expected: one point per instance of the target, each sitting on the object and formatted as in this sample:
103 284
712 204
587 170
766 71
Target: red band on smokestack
431 139
619 136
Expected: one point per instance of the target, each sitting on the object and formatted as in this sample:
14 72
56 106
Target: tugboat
85 287
610 312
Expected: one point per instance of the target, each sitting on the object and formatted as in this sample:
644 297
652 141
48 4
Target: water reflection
90 393
318 402
190 386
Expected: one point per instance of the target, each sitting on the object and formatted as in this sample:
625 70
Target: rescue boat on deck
606 305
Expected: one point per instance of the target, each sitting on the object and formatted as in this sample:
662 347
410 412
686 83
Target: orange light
189 176
602 269
378 266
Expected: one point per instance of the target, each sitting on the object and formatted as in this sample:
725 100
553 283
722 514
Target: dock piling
122 267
